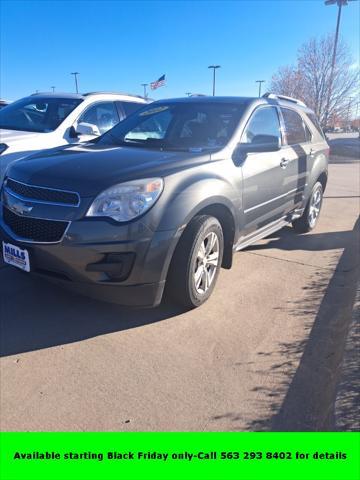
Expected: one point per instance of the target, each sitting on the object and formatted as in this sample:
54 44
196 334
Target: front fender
189 199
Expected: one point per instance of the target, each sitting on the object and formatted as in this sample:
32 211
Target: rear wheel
309 218
196 262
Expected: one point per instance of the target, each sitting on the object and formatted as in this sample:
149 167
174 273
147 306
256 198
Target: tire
187 283
309 218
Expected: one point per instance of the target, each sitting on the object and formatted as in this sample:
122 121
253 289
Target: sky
118 45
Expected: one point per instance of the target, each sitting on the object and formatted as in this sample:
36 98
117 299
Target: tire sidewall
316 187
210 225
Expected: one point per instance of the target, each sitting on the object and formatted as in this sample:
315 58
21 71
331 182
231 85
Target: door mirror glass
261 143
84 128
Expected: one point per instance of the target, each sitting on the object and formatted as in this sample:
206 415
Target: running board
261 233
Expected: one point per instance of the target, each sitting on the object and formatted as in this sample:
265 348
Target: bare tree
310 79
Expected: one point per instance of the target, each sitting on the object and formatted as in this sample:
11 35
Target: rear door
263 177
295 157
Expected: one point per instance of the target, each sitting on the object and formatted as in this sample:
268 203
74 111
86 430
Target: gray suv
163 200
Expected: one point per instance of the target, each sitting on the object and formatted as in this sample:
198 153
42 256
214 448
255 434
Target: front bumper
125 264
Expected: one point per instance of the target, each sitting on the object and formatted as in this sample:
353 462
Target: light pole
340 4
53 89
145 85
76 82
214 67
259 82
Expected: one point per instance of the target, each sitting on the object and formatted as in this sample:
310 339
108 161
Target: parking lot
263 352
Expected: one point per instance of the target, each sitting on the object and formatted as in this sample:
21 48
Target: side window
316 123
294 127
263 126
104 115
308 134
131 107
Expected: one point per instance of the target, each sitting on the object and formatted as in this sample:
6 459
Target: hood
90 169
11 137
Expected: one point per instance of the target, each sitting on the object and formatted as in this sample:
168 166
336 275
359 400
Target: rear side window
263 126
294 127
130 107
316 123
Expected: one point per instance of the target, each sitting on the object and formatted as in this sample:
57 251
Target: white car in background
48 120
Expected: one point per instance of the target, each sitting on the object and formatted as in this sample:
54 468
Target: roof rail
283 97
55 94
114 93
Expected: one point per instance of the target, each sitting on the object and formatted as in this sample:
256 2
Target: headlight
126 201
3 147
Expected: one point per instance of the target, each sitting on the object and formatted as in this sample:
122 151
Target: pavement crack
291 261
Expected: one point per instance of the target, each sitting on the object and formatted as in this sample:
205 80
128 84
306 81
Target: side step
261 233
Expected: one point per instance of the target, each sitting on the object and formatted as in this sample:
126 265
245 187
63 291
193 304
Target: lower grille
34 229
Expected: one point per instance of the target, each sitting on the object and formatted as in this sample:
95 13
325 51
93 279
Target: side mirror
84 128
259 144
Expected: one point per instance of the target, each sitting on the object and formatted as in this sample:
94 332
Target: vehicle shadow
307 372
347 415
35 314
286 240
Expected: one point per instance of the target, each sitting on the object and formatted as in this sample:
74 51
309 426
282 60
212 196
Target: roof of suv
82 96
208 99
270 99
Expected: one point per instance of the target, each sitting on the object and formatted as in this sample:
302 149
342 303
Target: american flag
159 83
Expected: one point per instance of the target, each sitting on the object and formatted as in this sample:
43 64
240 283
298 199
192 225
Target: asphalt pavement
344 147
264 353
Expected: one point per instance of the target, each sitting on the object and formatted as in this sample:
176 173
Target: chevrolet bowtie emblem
20 208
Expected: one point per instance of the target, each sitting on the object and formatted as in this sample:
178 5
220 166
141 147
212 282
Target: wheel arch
322 178
226 219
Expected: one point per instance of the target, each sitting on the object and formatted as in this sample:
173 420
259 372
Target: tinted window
178 126
307 133
130 107
104 115
294 127
316 123
37 114
263 127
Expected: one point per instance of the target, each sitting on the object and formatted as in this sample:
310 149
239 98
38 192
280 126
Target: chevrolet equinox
163 200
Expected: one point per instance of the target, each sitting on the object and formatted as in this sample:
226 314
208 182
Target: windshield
37 114
177 126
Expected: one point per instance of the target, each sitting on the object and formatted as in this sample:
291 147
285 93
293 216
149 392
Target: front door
263 175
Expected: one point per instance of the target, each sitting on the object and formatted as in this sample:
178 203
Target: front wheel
196 262
309 218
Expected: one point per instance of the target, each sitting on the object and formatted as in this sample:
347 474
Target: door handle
284 162
312 153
